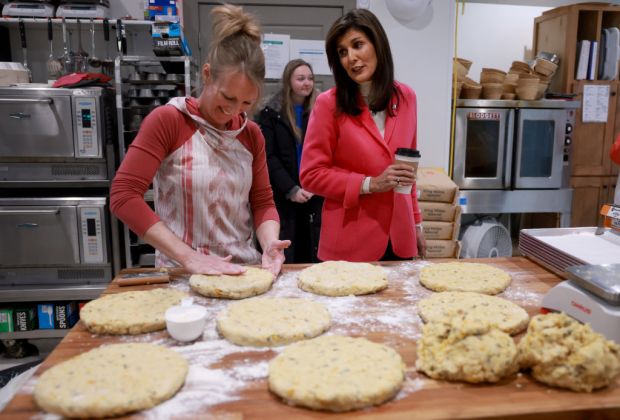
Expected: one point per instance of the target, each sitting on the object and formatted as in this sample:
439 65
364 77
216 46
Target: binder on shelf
592 60
583 56
609 54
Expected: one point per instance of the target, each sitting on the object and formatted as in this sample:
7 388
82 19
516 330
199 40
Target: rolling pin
149 277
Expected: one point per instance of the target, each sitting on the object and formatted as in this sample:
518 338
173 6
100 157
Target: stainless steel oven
56 134
513 144
54 241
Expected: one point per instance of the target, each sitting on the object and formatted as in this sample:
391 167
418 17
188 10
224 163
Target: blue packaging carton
65 315
45 313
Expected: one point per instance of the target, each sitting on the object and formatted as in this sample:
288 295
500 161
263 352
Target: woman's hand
421 241
301 196
397 174
199 263
273 256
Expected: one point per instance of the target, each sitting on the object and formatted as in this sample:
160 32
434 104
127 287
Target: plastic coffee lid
403 151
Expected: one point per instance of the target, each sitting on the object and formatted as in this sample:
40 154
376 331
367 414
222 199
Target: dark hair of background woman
382 80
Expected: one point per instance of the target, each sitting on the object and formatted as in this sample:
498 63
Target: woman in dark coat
283 121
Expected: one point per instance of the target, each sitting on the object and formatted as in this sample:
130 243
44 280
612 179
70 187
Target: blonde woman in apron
207 163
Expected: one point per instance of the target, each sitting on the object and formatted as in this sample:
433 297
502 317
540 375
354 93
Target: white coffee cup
186 322
410 157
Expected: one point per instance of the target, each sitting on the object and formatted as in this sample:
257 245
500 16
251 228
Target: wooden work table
389 317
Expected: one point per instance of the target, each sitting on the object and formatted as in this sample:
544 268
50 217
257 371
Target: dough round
111 381
342 278
505 315
272 321
130 312
466 349
336 373
566 353
464 277
254 281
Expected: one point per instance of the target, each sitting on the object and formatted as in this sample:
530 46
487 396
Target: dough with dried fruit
336 373
272 321
343 278
111 381
501 313
563 352
464 277
254 281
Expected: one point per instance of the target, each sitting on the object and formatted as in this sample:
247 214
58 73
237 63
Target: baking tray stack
533 245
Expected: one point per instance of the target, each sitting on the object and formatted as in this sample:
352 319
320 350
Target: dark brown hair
382 80
287 94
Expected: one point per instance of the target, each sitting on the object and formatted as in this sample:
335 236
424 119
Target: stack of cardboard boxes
441 214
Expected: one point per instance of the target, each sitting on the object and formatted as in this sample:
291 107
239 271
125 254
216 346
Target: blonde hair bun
229 20
236 44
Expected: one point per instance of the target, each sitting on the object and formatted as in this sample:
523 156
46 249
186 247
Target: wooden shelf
593 174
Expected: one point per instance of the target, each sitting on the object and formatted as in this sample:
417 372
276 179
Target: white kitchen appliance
28 9
56 135
591 295
93 9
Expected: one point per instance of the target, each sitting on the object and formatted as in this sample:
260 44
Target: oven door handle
18 212
48 101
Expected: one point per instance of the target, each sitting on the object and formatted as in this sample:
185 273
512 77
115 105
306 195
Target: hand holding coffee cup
411 158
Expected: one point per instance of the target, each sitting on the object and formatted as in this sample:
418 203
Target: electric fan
486 238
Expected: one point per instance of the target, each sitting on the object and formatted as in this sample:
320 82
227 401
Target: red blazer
615 151
339 152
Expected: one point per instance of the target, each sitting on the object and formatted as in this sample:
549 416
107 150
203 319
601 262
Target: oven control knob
569 128
567 141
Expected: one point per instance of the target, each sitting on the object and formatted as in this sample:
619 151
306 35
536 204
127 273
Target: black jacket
280 145
299 222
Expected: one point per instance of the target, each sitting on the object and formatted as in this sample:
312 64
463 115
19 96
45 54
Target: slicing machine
29 9
84 9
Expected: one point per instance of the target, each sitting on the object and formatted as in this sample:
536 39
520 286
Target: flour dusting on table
221 372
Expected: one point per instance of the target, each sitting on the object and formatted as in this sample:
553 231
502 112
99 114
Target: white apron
202 191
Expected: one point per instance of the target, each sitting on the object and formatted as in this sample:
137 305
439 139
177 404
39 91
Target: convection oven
513 144
56 135
54 241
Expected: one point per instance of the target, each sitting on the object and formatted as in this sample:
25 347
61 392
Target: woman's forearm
164 240
267 232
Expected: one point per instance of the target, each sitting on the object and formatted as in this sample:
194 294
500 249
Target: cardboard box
441 230
440 212
611 213
25 318
45 314
168 40
442 249
65 315
12 73
158 9
6 320
433 184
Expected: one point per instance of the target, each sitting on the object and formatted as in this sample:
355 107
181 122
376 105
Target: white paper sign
595 103
277 49
312 51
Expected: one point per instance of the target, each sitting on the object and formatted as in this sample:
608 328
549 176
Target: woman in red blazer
615 156
348 158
